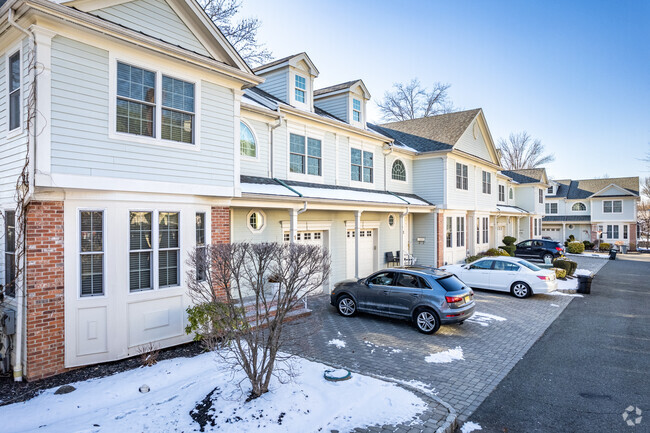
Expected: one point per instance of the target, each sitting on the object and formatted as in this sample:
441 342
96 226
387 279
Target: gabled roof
440 132
586 188
527 175
288 61
410 142
343 86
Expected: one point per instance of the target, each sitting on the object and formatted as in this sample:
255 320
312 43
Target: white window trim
499 186
486 182
305 132
363 148
292 81
248 221
462 177
604 201
406 174
155 287
78 252
360 110
579 202
16 48
257 142
394 221
159 70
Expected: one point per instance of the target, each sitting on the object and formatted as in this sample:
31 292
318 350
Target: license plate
467 299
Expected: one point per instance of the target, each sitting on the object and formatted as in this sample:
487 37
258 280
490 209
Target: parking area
462 363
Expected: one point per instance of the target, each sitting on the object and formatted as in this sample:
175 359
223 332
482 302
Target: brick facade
632 237
44 278
440 241
220 221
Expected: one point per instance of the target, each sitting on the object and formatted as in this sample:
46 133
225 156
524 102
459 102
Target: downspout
280 117
304 209
390 150
20 298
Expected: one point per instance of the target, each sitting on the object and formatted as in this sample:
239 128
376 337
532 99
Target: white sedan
506 274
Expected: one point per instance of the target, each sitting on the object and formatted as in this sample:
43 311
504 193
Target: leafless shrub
148 354
242 309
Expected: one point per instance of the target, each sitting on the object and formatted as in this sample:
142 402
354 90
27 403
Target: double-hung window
177 110
168 249
461 176
478 230
502 193
356 110
10 253
92 252
551 208
301 87
612 206
14 91
625 231
487 182
305 155
138 105
140 251
361 165
541 195
449 233
201 248
460 231
486 228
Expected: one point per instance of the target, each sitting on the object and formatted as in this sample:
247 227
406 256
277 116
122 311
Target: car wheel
547 257
520 290
346 306
426 321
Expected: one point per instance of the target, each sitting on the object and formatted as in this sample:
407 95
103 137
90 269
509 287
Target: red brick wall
440 241
632 237
220 225
594 233
45 327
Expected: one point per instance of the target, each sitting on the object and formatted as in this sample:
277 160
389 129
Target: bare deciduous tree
643 212
242 34
412 101
243 310
522 151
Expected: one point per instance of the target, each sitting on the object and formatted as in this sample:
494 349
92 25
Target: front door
405 294
374 296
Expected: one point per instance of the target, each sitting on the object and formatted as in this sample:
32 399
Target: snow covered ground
306 404
446 356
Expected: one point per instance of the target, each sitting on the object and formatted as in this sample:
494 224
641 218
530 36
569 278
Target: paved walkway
590 365
491 344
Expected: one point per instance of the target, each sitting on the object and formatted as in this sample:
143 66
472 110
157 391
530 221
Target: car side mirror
467 266
366 282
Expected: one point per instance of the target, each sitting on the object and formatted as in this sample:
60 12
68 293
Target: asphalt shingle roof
528 175
334 88
415 142
584 188
432 133
276 62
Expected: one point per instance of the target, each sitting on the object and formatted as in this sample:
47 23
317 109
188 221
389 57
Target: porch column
357 224
518 220
496 231
401 239
293 225
563 232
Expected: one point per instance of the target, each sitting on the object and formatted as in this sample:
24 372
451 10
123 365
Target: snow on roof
511 209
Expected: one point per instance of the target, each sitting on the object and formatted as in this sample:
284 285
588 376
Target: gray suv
427 296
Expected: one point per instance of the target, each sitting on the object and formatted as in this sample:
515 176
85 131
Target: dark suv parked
539 249
429 297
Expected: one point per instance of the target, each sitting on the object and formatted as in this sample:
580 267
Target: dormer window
301 87
356 110
550 190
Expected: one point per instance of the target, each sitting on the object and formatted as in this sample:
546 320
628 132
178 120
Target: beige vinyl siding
428 179
13 149
335 105
474 146
154 18
275 83
80 127
258 166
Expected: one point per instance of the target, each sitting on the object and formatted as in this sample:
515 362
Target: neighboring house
593 210
456 167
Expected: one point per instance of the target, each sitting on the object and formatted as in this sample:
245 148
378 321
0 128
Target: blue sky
576 75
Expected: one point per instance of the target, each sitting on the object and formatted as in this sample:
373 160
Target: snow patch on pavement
574 295
446 356
307 403
469 427
336 342
484 319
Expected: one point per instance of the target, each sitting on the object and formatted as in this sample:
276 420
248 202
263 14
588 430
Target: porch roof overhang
282 192
504 209
585 219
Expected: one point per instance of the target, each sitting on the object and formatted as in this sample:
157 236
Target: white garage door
366 253
553 233
310 238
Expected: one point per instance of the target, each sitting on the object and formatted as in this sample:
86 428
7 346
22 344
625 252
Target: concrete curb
450 424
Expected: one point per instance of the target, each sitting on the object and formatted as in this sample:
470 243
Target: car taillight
558 248
545 278
452 299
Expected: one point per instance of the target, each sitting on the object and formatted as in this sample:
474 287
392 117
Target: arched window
247 141
399 171
578 207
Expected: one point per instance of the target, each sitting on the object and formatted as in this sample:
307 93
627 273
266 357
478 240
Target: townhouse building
595 210
132 132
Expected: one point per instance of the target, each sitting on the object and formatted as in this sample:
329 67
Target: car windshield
451 283
530 266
